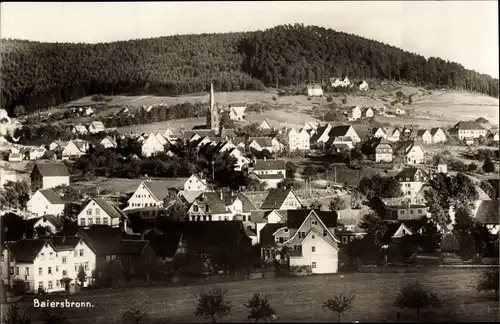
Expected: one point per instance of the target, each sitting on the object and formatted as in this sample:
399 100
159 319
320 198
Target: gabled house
467 129
151 146
15 157
45 202
392 134
378 149
314 90
57 145
172 134
37 153
398 229
379 132
354 113
100 212
49 175
487 213
96 127
161 138
412 180
75 148
50 223
298 140
438 135
221 206
408 211
195 183
312 241
412 154
363 85
399 111
311 125
367 113
242 161
109 142
424 136
270 172
265 143
343 134
89 111
79 130
282 199
148 194
265 126
237 111
227 146
321 136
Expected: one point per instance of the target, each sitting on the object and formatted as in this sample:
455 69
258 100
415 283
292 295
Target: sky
462 31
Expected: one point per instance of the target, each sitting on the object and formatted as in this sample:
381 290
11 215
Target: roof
165 245
262 141
468 125
268 176
228 132
57 222
339 131
25 250
111 210
282 213
157 188
434 130
52 196
266 234
105 240
62 243
488 212
421 132
275 198
52 169
296 217
409 173
97 124
270 165
190 196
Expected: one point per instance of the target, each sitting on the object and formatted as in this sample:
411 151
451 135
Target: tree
15 194
19 110
315 205
489 281
81 275
133 315
175 210
337 203
488 165
259 308
15 316
415 296
212 304
375 228
339 304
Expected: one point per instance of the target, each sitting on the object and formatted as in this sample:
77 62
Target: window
76 266
57 268
313 265
281 240
244 218
324 232
27 270
51 256
403 231
50 285
64 273
64 259
313 237
98 221
105 221
249 218
75 254
411 211
344 239
17 271
90 221
420 211
28 287
313 249
195 208
57 283
82 221
40 284
302 234
81 252
89 212
42 256
86 266
97 212
40 271
314 222
49 270
207 209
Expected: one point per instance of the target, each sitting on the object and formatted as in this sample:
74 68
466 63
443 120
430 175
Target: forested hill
37 74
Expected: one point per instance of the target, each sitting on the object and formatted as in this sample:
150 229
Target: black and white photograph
249 161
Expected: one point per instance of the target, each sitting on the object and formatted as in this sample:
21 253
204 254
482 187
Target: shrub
344 101
212 304
259 308
489 281
415 296
133 315
329 99
15 316
339 304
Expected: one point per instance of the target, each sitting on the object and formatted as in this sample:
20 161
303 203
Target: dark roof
61 243
275 198
25 250
228 133
450 243
130 247
52 169
262 141
488 212
112 210
296 217
468 125
56 221
339 131
409 173
52 196
164 244
158 189
421 132
319 132
434 130
270 165
266 234
269 176
105 240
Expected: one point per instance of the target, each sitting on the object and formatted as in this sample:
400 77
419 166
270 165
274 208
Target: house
89 111
50 223
15 157
45 202
311 125
237 111
298 140
320 137
379 132
7 175
398 229
495 137
108 142
281 199
393 134
265 143
467 129
348 230
79 130
408 211
270 172
221 206
37 153
343 134
424 136
383 151
438 135
399 111
314 90
265 126
148 194
312 241
367 113
96 127
151 146
57 145
242 161
346 82
354 113
172 134
412 154
75 148
161 138
49 175
124 111
412 180
487 214
195 183
363 86
100 212
227 146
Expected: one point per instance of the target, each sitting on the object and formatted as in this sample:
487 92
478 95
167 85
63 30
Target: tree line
37 75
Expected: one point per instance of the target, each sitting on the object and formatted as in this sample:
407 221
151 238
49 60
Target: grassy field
300 299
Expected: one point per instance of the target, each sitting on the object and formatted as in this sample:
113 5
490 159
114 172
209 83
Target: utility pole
213 170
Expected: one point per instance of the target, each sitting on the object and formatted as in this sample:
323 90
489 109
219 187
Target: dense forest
37 74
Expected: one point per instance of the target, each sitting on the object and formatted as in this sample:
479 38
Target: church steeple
213 121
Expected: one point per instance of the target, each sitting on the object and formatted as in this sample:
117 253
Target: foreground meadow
298 299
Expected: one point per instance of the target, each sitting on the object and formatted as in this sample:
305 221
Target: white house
282 199
343 134
80 130
367 112
45 202
37 153
172 134
314 90
237 111
363 86
383 151
424 136
270 172
96 127
195 183
438 135
221 206
49 175
312 241
265 143
161 138
57 145
380 133
49 222
108 142
100 212
486 212
399 111
241 160
148 194
354 113
265 126
151 146
412 180
75 148
393 134
468 129
321 136
298 140
89 111
412 154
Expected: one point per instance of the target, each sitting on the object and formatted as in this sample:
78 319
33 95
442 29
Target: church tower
213 121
